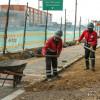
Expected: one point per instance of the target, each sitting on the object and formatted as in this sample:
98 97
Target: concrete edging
72 62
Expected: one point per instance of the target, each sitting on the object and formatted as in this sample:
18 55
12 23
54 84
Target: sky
87 9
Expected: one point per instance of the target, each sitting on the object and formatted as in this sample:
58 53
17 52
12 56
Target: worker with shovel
51 51
90 45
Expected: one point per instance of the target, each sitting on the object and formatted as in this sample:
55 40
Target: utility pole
39 6
6 28
61 24
88 21
75 19
46 26
80 27
65 28
38 10
25 27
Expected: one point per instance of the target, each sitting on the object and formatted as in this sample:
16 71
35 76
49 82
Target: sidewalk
36 67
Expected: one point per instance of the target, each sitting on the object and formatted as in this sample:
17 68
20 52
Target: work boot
55 73
48 78
93 64
54 77
87 64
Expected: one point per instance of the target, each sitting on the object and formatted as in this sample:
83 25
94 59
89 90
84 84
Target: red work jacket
51 45
90 38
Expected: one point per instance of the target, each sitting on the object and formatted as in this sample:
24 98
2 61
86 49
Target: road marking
13 95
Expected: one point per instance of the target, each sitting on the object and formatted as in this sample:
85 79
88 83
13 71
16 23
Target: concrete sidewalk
36 66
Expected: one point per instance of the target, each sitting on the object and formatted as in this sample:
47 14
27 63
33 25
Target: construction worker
90 45
51 51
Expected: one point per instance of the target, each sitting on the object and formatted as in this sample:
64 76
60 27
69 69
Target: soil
28 53
75 84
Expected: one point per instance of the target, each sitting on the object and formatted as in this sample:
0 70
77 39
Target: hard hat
59 33
90 25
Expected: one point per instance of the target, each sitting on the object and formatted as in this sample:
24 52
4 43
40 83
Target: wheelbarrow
12 67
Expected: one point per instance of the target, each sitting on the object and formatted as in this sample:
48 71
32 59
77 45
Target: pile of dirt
28 53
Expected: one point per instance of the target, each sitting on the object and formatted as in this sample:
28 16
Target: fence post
65 29
80 27
6 28
75 19
46 26
25 27
61 24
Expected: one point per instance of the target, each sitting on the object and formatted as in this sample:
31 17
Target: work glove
91 47
77 42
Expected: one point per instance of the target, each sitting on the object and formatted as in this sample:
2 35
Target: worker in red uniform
90 42
51 51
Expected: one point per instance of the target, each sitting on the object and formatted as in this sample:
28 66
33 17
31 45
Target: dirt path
75 84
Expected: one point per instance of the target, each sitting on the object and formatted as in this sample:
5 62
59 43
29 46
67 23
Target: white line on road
13 95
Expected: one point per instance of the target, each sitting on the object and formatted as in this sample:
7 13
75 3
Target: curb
72 62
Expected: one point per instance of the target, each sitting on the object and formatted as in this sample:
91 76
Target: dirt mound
28 53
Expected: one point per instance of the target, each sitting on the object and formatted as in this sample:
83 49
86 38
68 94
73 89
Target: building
17 16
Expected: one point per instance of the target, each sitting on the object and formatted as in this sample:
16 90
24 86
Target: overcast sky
87 9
